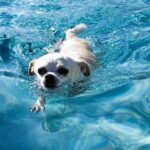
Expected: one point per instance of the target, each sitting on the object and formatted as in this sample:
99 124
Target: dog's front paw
38 106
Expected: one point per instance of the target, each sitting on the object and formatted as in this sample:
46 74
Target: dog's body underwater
74 60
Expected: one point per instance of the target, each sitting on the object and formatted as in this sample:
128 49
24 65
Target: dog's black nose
50 81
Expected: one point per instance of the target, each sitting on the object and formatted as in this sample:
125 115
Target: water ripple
108 111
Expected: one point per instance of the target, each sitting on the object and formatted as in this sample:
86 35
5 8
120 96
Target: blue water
112 111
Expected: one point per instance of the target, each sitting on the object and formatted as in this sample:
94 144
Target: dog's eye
62 71
42 71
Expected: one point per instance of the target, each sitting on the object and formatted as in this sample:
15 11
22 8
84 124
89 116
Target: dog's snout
50 81
50 77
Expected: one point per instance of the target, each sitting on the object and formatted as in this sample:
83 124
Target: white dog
73 61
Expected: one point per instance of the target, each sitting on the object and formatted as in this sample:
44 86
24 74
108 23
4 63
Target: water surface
112 111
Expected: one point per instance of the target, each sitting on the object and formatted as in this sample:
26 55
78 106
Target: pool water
111 111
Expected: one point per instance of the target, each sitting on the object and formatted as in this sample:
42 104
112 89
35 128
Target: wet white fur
72 50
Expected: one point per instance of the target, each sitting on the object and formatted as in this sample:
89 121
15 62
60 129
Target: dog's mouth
49 85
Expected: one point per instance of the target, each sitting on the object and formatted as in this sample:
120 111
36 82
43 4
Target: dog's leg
58 45
39 105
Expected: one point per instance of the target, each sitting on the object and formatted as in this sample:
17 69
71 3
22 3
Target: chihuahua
73 62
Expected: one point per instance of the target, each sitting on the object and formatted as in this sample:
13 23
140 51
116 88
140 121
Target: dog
74 61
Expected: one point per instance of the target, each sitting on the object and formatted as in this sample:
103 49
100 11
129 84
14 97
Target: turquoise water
112 109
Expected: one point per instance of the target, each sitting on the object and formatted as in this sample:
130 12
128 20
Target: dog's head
54 69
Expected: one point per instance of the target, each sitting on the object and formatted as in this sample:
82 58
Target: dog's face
54 69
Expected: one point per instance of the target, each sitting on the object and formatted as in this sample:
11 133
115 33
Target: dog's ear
85 69
31 68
